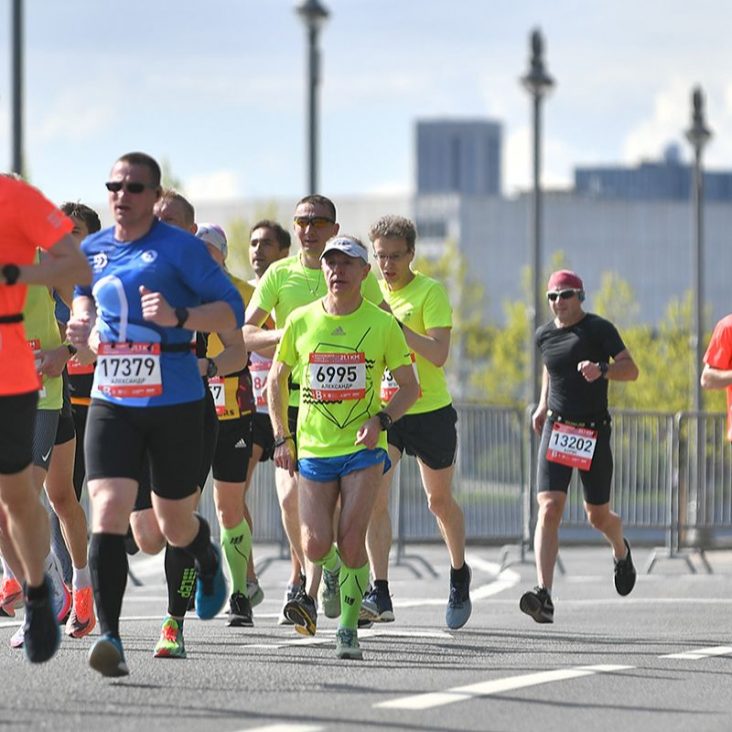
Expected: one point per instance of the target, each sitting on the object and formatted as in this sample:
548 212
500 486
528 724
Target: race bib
571 446
259 369
35 345
336 377
389 387
216 387
129 370
74 368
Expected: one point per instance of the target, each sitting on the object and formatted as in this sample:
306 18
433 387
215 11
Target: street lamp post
17 72
314 14
538 83
698 135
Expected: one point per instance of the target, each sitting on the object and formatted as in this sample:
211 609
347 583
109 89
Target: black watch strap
182 316
385 420
279 441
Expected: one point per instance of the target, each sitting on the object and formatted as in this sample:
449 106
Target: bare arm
538 418
712 378
211 317
257 338
232 358
278 395
65 265
622 368
434 345
406 395
80 329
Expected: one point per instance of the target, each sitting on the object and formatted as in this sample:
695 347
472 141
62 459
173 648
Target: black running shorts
17 420
430 436
233 449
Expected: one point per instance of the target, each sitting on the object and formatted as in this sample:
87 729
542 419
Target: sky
217 89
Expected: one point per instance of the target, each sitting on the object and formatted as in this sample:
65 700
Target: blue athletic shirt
174 263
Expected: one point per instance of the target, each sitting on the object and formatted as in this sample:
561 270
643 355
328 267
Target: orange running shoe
81 621
11 596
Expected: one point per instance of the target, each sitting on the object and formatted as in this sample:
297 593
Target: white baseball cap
348 245
213 234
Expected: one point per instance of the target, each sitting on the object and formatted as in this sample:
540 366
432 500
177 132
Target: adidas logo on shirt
339 331
241 443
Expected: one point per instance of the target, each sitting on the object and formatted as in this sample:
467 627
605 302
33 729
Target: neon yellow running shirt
41 330
341 359
287 285
421 305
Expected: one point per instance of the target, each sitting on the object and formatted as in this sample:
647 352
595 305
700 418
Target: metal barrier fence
672 485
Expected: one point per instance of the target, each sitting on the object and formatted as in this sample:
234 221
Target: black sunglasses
562 295
115 186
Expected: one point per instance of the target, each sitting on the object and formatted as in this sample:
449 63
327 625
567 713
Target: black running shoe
302 613
41 636
625 573
240 612
538 604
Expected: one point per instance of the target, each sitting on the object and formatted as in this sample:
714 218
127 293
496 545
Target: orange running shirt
27 221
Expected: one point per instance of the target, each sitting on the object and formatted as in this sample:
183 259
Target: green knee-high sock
237 546
331 561
353 584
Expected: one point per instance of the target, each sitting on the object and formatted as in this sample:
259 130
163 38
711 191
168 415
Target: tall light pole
698 135
16 24
538 83
314 14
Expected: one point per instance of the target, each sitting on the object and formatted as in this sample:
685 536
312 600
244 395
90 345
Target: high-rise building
459 156
670 179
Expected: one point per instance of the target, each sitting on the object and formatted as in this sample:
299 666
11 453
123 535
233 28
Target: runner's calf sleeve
180 576
58 546
237 546
108 567
353 583
331 561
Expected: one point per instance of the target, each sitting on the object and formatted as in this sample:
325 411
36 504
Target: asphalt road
660 659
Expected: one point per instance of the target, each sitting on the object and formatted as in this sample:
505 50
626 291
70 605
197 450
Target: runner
288 284
153 287
268 242
28 221
573 421
428 430
339 346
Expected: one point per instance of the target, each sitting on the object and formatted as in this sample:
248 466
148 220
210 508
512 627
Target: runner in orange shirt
28 221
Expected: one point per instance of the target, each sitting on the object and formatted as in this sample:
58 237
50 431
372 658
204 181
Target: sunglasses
562 295
319 222
115 186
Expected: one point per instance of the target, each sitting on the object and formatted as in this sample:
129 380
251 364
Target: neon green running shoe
171 644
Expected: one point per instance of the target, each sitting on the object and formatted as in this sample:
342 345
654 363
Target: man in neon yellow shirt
428 429
340 346
286 285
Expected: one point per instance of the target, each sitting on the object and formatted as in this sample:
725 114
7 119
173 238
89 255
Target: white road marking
285 728
494 686
701 653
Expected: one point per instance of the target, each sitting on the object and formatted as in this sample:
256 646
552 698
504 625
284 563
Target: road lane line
285 728
700 653
494 686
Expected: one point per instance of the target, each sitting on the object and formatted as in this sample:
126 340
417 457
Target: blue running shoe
459 606
107 657
211 590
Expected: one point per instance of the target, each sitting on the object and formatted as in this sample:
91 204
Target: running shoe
211 592
302 613
171 644
376 606
625 573
41 636
18 638
60 594
538 604
347 644
107 657
81 622
11 596
330 594
459 606
254 592
240 612
291 593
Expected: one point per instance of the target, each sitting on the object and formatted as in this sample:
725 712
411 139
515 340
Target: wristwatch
384 420
212 369
603 366
182 315
279 441
72 348
11 272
